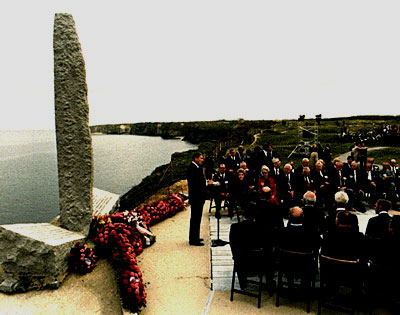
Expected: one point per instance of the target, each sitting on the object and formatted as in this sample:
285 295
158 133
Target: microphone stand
218 241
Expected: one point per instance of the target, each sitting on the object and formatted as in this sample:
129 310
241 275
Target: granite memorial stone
74 142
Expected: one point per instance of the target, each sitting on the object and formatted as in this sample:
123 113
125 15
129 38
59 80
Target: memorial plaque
104 202
45 232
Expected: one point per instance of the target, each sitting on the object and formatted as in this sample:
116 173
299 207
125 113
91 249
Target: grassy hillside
284 136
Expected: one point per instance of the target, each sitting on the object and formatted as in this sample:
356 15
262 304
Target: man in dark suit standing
197 195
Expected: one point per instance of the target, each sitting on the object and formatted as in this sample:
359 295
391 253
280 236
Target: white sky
205 60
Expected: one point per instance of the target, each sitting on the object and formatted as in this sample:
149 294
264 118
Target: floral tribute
124 235
81 258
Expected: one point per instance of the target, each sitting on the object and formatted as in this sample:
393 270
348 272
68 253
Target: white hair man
341 200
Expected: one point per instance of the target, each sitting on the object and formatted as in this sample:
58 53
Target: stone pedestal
34 256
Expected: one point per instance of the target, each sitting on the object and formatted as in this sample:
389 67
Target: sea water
28 169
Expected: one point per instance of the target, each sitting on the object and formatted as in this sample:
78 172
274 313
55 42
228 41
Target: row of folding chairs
298 271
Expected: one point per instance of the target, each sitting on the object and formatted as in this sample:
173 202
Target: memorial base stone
34 256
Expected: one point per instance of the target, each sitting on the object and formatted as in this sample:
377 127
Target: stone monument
74 142
35 256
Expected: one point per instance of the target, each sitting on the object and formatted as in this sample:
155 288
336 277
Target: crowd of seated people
336 235
265 183
318 203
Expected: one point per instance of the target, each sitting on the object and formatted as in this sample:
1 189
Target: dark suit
337 179
244 238
286 186
314 218
321 186
298 238
232 164
303 184
197 196
367 178
330 221
353 185
378 226
222 182
343 243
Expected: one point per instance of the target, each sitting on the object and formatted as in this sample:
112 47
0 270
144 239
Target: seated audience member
220 189
369 181
347 165
396 172
286 190
303 183
341 200
343 241
267 205
266 187
337 177
251 177
250 249
304 163
240 190
296 237
386 186
378 226
374 166
354 188
384 273
314 217
321 186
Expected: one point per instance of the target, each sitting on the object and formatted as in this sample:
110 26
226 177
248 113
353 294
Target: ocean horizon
29 180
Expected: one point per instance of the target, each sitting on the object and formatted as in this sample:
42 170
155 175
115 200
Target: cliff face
194 132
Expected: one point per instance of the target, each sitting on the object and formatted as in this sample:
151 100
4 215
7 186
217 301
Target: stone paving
221 256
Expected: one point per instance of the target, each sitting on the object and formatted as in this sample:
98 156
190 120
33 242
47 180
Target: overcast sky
205 60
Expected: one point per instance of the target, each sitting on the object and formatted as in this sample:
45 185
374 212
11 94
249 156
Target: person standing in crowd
269 154
313 156
197 195
232 162
327 157
209 165
220 189
240 153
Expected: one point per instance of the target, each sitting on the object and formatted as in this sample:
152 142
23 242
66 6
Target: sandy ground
179 274
94 293
177 279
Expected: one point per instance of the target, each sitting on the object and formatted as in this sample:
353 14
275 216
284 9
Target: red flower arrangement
81 259
124 235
